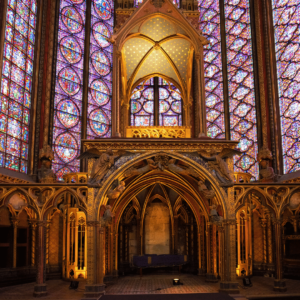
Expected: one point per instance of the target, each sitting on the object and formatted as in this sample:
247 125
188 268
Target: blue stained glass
286 20
16 77
211 28
100 80
68 89
241 84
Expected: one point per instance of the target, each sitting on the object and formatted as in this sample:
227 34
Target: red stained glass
286 18
17 73
68 90
241 84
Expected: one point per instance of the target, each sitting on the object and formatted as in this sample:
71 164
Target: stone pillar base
40 290
200 272
211 278
280 285
94 291
229 287
117 135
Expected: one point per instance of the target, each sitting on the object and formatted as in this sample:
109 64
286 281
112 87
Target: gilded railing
158 132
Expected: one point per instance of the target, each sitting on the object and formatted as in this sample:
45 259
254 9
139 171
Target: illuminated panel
210 26
241 84
16 84
100 70
68 87
286 15
170 104
142 104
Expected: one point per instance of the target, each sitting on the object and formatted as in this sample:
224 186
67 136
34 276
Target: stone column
40 288
138 235
176 234
270 246
47 243
279 283
229 284
33 241
199 70
264 225
101 258
221 252
15 235
94 285
116 93
211 253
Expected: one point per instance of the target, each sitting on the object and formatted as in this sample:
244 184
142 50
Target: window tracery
156 96
68 101
16 83
240 73
286 20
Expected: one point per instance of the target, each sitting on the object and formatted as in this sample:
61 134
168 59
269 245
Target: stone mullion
86 64
224 70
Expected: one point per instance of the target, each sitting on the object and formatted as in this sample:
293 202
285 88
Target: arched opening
156 102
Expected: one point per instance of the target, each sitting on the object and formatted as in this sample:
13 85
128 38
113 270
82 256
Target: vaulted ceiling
157 46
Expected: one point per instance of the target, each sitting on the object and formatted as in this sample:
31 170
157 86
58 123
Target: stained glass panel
68 88
170 104
100 70
16 84
241 84
286 17
211 29
142 104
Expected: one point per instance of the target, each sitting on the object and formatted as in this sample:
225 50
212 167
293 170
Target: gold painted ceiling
157 47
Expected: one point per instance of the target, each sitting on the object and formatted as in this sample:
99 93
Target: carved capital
15 222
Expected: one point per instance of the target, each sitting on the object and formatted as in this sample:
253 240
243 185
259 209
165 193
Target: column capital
15 221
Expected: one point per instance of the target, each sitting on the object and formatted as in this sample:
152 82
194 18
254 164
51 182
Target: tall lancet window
77 115
16 83
286 18
229 79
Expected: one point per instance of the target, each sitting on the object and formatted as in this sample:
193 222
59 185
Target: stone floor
148 284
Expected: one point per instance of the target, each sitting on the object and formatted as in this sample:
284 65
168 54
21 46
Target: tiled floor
148 284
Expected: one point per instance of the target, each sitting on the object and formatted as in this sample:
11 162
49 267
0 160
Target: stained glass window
100 77
170 104
16 83
286 17
210 26
142 104
241 84
156 92
69 88
68 102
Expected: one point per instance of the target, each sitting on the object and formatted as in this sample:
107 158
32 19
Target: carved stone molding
188 145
